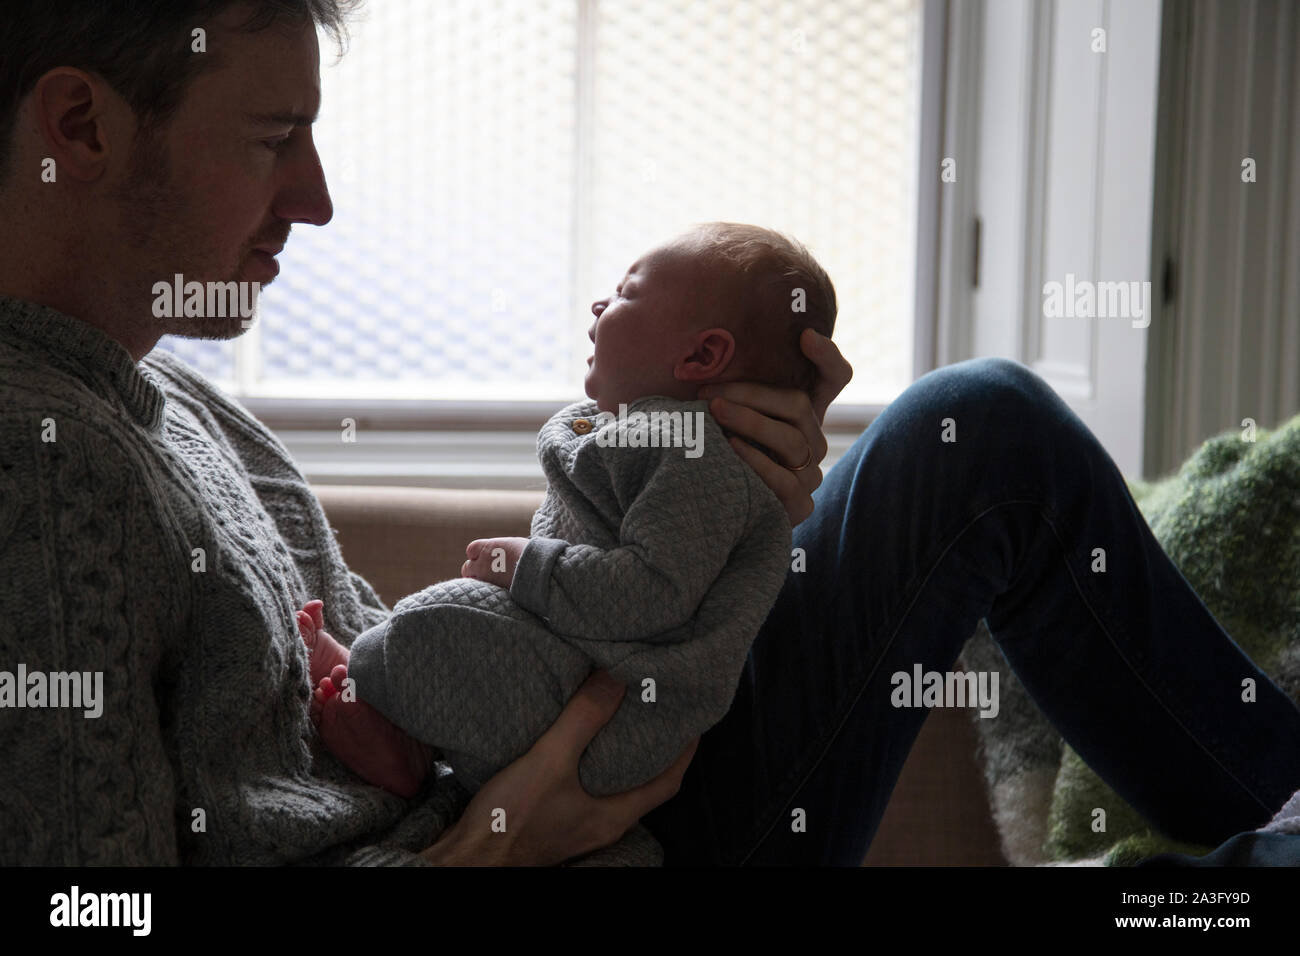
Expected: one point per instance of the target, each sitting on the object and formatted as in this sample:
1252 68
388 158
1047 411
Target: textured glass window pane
447 137
496 165
799 116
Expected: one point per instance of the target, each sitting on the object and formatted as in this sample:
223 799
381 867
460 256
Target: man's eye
275 145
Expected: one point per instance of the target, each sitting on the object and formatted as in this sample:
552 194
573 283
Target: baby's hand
493 559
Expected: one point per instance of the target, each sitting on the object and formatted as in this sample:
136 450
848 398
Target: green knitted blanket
1230 520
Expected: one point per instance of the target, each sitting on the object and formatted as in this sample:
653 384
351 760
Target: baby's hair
774 277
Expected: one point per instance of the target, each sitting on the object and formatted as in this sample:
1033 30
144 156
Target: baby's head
722 302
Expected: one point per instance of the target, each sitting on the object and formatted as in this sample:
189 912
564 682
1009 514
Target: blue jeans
914 540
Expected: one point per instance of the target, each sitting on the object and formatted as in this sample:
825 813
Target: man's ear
711 352
69 108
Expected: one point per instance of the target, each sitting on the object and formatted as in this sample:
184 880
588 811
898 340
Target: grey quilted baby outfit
653 563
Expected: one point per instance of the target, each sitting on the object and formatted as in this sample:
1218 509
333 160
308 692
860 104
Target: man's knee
996 374
968 411
1008 390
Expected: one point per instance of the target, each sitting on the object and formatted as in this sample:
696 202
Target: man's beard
157 235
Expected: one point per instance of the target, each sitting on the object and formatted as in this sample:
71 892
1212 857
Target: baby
655 555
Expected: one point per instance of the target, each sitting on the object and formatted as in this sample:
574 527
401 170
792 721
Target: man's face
642 330
212 195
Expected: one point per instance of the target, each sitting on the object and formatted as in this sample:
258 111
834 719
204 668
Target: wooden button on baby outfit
581 426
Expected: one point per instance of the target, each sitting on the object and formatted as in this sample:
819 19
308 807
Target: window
496 166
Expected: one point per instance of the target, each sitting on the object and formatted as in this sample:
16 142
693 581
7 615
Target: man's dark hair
142 48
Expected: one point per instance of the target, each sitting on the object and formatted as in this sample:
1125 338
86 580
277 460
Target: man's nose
303 196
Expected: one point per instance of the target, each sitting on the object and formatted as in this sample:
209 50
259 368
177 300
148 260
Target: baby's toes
316 611
307 629
337 676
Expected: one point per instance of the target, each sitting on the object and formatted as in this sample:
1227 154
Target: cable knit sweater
152 530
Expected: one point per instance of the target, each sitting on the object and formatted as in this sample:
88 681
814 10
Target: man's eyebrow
283 119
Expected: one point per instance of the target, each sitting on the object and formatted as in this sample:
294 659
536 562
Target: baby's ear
710 353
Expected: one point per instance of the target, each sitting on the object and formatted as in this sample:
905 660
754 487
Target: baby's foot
366 741
323 651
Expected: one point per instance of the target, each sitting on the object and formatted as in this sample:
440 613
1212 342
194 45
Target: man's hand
493 559
548 816
785 421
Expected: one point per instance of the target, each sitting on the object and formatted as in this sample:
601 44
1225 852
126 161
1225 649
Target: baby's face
642 330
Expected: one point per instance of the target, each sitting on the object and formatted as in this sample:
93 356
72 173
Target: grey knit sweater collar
86 353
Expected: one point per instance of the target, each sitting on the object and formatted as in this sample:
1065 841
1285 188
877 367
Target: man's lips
266 258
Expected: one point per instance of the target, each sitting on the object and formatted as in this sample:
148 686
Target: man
151 531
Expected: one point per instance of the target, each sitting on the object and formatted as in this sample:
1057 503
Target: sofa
402 539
